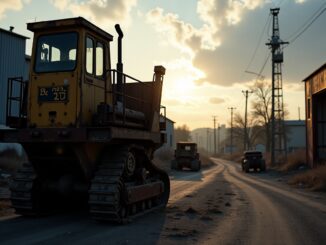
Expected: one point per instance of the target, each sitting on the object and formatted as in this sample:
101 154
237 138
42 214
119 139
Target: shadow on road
186 175
79 228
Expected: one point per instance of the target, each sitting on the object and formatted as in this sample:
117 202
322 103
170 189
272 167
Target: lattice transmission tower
278 136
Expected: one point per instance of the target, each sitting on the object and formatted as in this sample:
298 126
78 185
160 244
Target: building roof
168 119
13 33
315 72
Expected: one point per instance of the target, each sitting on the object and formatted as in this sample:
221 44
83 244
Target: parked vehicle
253 160
186 156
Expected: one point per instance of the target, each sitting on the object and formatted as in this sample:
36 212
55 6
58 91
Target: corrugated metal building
169 145
295 134
13 63
315 93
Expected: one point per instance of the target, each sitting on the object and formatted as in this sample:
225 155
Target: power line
308 23
306 28
263 66
259 42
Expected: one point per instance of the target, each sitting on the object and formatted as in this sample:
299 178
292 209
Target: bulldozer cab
72 83
67 73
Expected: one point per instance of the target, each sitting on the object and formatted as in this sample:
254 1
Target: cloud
180 34
216 16
219 47
15 5
103 12
216 100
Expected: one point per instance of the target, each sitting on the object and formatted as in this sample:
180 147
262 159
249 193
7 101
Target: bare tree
182 133
254 130
262 108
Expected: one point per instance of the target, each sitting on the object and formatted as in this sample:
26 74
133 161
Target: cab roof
70 22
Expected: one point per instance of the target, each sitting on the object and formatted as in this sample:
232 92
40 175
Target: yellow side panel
53 113
93 94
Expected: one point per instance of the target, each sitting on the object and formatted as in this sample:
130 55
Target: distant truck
186 156
253 160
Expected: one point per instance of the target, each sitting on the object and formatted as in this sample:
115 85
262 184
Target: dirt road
220 205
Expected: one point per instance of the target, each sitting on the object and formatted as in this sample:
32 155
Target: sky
205 45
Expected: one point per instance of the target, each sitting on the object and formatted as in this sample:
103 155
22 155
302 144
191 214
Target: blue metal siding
12 64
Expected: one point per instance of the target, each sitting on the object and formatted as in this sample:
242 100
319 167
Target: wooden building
315 96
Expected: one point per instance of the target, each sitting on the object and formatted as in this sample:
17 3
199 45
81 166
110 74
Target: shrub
314 179
294 160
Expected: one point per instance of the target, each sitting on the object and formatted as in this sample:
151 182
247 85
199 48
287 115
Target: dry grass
294 160
315 179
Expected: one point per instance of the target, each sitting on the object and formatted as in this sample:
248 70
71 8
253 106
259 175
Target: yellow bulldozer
89 131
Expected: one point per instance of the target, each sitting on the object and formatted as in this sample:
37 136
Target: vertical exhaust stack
119 63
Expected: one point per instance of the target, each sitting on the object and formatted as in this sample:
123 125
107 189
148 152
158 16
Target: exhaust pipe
119 64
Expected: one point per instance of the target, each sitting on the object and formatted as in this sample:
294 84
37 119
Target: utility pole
299 113
218 138
277 121
245 133
207 133
231 140
214 119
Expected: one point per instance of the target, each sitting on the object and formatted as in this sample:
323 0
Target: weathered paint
85 91
315 94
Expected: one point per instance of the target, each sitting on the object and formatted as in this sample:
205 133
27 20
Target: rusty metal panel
134 134
309 133
143 192
318 82
44 135
315 93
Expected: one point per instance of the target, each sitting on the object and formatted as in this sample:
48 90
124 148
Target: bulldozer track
22 190
108 191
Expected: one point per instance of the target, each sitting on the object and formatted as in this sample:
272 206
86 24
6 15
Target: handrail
11 89
126 75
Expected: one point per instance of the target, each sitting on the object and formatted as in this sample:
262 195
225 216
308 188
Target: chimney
11 28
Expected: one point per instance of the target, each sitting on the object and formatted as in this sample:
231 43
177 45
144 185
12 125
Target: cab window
89 55
53 52
94 57
99 59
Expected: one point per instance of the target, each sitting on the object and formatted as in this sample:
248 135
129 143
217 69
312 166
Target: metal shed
315 98
13 63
